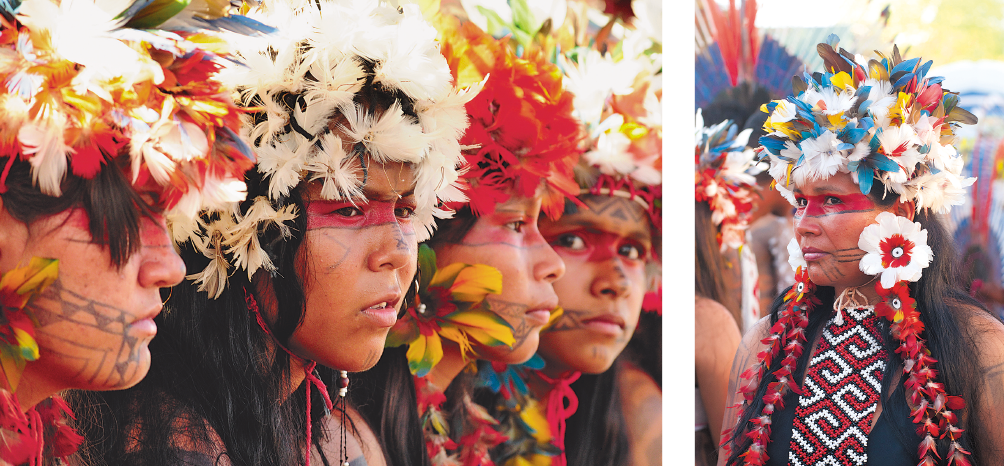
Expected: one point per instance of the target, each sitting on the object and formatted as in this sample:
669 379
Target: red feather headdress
522 132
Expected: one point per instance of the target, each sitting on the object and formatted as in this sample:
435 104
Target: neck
34 388
867 290
297 374
449 367
553 370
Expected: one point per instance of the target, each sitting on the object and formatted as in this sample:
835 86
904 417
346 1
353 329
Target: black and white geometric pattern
842 388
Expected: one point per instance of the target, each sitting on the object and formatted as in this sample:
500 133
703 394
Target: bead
421 308
343 382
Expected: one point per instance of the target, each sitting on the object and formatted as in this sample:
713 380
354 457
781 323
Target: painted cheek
320 214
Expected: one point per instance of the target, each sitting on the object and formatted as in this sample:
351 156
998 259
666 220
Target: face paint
323 214
152 232
816 206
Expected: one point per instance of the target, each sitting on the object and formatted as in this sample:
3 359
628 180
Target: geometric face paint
832 204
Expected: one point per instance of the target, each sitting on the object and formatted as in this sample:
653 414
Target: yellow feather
447 274
475 282
483 322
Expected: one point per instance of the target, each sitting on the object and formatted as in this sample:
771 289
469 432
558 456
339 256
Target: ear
905 209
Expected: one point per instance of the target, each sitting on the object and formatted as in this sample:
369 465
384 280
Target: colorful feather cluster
451 305
41 431
478 430
884 121
520 416
721 179
522 132
87 84
300 87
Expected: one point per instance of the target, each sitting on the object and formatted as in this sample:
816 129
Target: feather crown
309 119
884 120
522 132
722 180
87 83
614 72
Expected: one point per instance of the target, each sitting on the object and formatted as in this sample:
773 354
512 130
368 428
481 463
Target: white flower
896 248
822 158
795 259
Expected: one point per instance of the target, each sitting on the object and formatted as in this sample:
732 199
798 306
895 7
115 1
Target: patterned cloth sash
842 389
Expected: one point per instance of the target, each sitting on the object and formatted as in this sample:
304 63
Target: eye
570 241
800 202
832 200
348 211
516 226
404 212
631 251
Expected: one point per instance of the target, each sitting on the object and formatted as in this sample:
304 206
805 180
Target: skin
509 240
641 400
604 248
829 217
716 337
93 330
354 257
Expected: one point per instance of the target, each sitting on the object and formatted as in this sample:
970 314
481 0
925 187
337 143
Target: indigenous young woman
355 121
610 246
486 279
897 368
92 162
723 195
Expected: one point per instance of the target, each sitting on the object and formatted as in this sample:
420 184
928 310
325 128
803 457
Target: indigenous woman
486 280
108 126
355 120
723 201
875 356
610 245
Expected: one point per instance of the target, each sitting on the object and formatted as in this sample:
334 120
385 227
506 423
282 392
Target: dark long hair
112 205
709 264
596 435
385 394
946 311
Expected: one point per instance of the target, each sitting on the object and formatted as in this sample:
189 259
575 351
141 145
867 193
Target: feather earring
343 389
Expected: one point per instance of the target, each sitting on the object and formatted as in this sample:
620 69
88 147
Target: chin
521 354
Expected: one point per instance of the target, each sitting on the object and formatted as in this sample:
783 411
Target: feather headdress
522 132
87 82
308 123
721 178
884 121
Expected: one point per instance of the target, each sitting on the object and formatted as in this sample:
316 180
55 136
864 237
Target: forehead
838 183
615 215
383 181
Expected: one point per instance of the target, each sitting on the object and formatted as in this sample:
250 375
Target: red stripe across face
816 205
320 214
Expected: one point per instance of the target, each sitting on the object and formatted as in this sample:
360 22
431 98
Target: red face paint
599 245
831 204
153 233
322 214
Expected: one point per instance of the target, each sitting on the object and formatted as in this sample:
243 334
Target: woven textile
842 388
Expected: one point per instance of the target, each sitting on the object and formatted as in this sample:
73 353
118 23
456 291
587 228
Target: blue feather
772 144
9 9
236 24
905 65
865 178
903 80
922 71
883 163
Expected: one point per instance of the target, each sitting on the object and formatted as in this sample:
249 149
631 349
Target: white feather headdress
309 73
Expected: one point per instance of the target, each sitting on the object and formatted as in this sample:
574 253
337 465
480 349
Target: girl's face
95 320
357 262
829 218
605 248
508 239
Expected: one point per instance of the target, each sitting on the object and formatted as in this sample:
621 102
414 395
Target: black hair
112 205
741 104
596 434
946 311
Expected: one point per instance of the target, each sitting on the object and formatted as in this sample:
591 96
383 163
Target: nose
391 249
806 226
548 265
160 266
610 280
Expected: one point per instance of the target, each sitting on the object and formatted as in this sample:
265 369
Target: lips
383 313
812 254
607 324
144 323
539 315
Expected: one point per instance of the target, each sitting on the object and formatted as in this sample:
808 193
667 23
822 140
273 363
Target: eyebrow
386 196
593 227
826 188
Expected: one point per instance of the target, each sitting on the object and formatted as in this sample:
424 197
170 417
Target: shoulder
715 329
641 403
987 334
362 446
